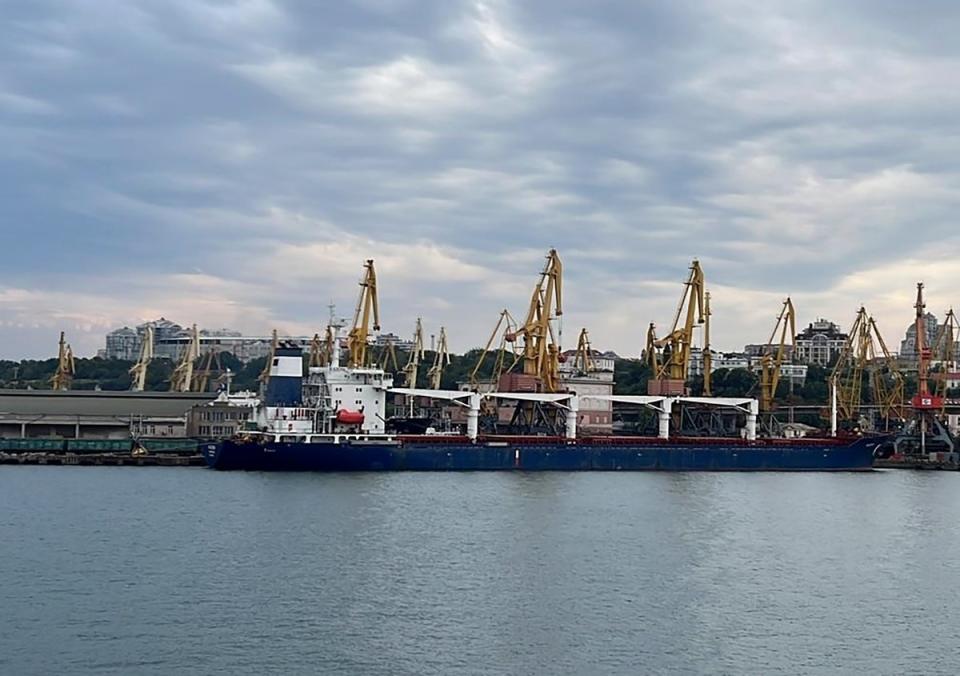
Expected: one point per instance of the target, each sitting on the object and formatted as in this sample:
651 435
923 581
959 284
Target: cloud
235 163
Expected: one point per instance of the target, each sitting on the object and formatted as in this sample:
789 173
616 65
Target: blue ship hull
422 454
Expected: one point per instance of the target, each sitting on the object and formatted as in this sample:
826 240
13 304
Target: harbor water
189 571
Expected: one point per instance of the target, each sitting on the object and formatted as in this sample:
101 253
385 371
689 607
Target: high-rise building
122 344
908 346
820 343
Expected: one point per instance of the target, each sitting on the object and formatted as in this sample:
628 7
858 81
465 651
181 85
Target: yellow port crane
138 371
707 353
669 357
367 308
210 365
775 353
387 357
264 376
944 351
181 380
316 356
541 352
66 366
865 350
506 326
583 360
411 368
321 349
441 358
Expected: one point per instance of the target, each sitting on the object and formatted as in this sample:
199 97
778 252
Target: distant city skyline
234 163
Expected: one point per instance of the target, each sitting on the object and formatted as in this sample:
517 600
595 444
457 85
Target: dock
102 459
943 464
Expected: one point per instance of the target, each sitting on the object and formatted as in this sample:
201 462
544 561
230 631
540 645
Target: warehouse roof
100 403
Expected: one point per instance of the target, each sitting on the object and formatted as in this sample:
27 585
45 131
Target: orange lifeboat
345 417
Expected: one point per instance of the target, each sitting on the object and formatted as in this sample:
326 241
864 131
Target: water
189 571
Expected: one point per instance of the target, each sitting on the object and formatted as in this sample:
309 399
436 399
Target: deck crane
506 326
775 352
441 358
367 308
66 366
541 351
669 357
412 366
182 378
583 361
264 376
138 371
865 350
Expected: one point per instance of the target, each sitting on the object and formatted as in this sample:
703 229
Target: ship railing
663 406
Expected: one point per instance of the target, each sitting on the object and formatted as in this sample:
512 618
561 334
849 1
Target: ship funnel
286 377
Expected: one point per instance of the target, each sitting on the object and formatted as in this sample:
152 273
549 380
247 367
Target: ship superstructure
331 399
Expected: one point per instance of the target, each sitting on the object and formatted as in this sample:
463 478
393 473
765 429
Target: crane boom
506 328
541 352
865 350
264 376
583 361
771 362
441 358
669 357
139 370
66 366
368 308
411 368
182 378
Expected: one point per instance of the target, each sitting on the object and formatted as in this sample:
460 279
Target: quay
117 459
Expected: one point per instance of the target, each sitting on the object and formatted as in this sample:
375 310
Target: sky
232 163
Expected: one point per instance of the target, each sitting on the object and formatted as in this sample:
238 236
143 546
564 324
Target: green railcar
38 445
171 446
93 446
154 446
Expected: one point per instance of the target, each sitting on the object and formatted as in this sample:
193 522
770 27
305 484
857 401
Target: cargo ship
334 419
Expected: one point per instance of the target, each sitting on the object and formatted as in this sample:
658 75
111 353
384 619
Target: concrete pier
100 459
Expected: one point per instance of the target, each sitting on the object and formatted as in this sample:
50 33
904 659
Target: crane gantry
367 309
775 353
669 357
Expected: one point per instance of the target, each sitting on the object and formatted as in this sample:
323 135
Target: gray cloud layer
234 162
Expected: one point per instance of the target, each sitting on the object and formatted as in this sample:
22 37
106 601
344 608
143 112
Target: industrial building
94 414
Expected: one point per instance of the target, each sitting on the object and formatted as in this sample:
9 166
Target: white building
742 360
820 343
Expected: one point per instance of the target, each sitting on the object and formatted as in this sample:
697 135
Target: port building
79 414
